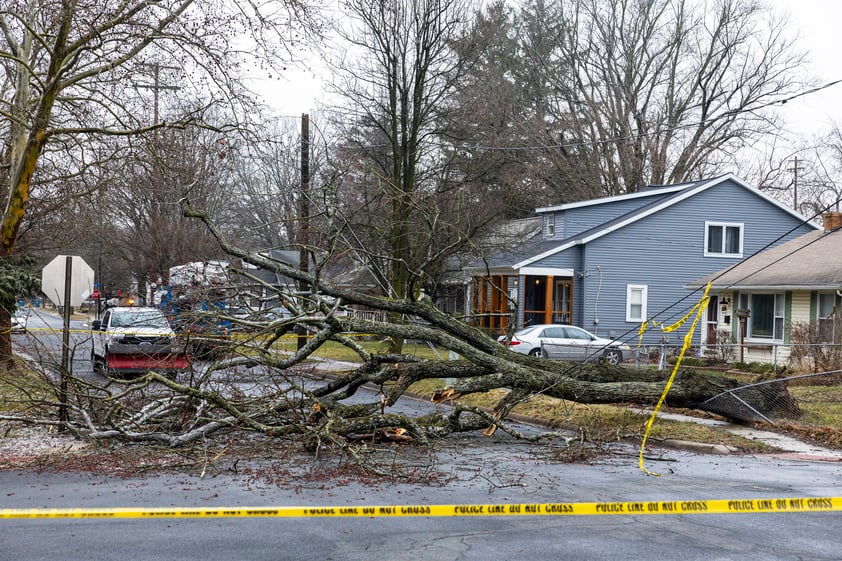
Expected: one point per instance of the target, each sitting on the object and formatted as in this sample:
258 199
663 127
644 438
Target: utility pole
795 169
155 199
304 213
156 88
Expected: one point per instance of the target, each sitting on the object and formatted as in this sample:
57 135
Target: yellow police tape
717 506
236 334
699 309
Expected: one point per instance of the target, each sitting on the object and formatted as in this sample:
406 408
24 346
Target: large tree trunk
595 383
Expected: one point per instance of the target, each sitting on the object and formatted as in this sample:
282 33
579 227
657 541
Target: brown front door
563 301
712 320
491 304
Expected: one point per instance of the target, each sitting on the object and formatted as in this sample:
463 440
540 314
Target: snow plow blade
140 364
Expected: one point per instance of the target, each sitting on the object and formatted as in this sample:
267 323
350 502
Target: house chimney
832 220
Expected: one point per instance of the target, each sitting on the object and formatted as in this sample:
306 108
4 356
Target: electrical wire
477 147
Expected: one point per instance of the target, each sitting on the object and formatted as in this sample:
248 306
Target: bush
816 346
754 367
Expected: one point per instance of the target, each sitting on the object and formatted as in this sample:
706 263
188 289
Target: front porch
499 302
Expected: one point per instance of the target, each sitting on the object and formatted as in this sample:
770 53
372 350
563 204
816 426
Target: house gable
676 197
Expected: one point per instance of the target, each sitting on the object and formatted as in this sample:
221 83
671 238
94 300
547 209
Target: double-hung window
723 239
766 319
636 295
549 225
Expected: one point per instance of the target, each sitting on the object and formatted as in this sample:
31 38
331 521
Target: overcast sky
816 21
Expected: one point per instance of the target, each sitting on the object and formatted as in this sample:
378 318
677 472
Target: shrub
815 346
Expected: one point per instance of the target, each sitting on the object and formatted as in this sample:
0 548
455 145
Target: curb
700 447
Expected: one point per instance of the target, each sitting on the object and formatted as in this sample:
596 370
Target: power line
662 130
630 137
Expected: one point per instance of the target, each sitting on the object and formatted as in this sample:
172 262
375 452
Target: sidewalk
789 447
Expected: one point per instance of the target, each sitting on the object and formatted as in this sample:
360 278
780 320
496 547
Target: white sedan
565 342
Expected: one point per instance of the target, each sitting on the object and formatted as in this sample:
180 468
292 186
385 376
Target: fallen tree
263 389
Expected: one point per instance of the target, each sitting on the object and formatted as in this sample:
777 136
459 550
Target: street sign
53 277
95 294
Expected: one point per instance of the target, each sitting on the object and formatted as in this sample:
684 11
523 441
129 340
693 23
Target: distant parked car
88 306
20 319
565 342
241 312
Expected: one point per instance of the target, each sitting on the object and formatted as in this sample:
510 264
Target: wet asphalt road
470 470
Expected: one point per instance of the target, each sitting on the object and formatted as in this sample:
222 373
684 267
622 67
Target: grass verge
603 423
822 408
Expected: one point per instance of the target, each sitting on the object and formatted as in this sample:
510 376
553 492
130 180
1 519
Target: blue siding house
609 264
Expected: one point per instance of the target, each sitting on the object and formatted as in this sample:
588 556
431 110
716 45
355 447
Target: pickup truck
134 340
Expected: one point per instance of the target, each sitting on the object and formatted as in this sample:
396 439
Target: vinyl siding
578 220
572 221
665 251
802 311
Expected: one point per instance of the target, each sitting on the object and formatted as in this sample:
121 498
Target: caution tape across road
717 506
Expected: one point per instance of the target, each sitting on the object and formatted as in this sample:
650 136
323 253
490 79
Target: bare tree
67 67
265 177
403 206
620 94
148 230
818 182
803 175
403 74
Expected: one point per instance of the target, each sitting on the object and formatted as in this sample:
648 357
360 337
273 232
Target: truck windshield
150 318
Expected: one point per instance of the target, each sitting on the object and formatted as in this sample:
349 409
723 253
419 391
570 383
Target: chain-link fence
782 381
794 359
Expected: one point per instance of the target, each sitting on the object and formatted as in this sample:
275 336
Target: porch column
548 300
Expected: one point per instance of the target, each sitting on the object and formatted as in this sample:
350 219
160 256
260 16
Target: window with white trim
549 225
723 239
766 319
636 296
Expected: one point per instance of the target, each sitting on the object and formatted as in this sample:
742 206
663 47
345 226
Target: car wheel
536 352
613 356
